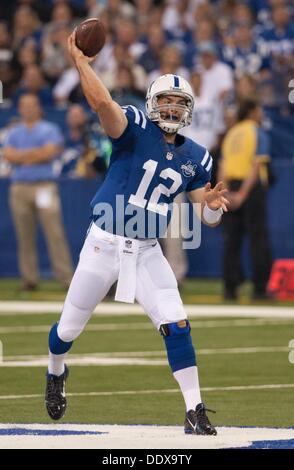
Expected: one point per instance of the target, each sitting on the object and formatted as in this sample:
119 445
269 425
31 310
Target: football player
150 164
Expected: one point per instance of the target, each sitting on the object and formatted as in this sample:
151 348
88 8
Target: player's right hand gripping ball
90 36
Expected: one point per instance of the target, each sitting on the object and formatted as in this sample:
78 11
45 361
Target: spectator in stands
143 11
5 38
245 56
203 10
66 84
217 77
94 8
170 62
7 72
33 82
125 91
27 55
205 31
31 147
150 59
155 16
74 148
55 58
118 55
241 13
127 35
245 156
62 15
87 148
175 23
42 7
279 41
279 38
26 26
261 11
118 10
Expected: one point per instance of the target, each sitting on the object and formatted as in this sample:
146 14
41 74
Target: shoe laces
201 415
55 387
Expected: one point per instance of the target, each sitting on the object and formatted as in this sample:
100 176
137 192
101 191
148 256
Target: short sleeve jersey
144 177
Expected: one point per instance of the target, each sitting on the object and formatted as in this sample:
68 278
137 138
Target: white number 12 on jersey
139 200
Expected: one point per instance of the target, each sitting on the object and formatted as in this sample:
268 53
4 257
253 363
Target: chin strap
170 130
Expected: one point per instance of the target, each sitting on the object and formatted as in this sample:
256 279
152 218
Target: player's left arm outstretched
110 114
213 202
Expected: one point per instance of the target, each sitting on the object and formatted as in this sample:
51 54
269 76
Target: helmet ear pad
169 85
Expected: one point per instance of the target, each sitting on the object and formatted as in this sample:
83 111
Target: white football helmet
170 85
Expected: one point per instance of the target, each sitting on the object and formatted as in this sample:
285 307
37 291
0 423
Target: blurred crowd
229 50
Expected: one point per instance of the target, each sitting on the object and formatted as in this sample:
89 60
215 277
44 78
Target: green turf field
199 291
151 395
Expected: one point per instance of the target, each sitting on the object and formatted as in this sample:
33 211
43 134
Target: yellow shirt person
244 143
245 155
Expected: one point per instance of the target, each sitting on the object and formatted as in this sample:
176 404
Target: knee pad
56 344
178 342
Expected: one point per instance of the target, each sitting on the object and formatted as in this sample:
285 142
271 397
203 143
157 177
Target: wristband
210 216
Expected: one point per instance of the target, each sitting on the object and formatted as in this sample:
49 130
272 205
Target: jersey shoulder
136 117
199 155
136 128
139 122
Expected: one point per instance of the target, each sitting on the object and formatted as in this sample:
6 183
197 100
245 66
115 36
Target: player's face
171 107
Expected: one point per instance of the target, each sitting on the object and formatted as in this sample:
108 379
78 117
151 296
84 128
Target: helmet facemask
170 117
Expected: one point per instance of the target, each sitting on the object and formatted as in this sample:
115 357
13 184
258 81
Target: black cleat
196 422
55 394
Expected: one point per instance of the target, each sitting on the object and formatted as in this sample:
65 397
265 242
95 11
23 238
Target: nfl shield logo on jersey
188 169
169 156
128 244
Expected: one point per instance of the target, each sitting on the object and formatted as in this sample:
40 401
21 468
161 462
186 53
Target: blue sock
56 345
179 347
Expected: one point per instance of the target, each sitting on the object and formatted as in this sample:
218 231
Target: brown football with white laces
90 36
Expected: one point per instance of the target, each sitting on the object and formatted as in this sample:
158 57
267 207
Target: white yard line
116 308
135 354
160 353
234 388
89 361
148 326
133 358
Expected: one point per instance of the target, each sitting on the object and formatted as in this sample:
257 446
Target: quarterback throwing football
150 165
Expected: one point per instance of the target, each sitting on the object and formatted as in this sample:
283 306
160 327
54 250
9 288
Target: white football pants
100 265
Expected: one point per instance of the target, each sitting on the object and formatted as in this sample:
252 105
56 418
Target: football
90 36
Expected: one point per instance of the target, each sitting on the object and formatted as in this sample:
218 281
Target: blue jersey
278 43
144 177
251 60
